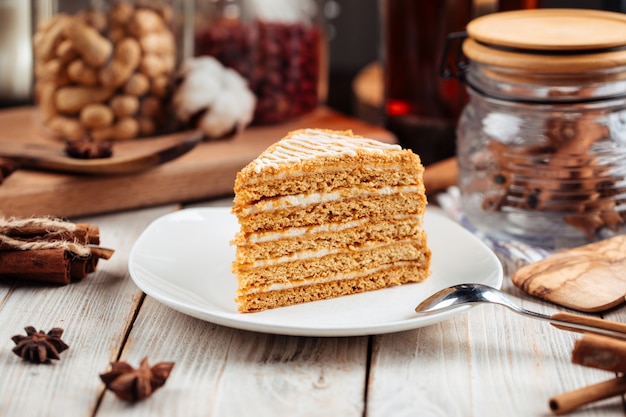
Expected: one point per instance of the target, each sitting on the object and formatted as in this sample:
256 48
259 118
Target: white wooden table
486 362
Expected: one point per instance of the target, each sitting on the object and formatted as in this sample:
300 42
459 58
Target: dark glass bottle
421 108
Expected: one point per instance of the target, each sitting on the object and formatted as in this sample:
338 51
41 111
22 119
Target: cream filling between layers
337 277
304 255
318 198
302 231
310 231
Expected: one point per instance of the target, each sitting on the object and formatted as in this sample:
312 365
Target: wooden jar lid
548 39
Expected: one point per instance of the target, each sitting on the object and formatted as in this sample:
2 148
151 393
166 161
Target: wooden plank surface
95 313
486 362
207 171
225 372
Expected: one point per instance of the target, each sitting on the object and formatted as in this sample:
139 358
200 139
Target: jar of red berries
277 45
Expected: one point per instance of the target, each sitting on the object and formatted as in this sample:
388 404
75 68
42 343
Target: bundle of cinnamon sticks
49 250
600 352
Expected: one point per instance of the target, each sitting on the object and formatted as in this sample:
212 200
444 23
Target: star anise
87 149
132 384
39 347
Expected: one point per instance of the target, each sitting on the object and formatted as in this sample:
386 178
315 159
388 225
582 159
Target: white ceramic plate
183 260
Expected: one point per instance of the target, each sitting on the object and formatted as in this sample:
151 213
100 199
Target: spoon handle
577 323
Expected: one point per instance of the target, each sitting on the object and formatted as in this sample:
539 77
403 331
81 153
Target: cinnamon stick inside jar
540 143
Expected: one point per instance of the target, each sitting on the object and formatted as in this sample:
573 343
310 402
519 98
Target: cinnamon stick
84 233
81 267
440 175
568 401
56 266
49 250
601 352
49 265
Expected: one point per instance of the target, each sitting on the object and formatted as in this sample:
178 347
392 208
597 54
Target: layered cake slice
325 214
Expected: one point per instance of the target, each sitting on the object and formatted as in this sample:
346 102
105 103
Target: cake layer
306 145
292 166
298 200
335 177
376 205
333 236
296 270
393 275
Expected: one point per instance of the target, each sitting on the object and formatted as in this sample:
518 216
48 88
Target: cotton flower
215 97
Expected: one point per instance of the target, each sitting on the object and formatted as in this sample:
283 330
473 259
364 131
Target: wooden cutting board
207 171
588 278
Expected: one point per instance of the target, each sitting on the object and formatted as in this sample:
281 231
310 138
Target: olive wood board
204 172
589 278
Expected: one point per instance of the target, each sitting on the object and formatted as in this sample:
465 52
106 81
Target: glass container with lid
104 69
541 144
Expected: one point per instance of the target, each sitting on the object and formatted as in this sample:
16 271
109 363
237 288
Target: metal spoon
477 293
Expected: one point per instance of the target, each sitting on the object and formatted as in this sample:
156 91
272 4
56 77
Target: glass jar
279 47
542 142
105 70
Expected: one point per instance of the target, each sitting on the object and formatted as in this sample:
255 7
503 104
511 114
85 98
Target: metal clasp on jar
459 65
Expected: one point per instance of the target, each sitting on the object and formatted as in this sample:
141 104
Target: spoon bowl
464 294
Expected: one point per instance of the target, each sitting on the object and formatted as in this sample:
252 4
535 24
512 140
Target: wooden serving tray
207 171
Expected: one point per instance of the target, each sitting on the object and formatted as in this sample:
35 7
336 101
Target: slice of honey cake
325 214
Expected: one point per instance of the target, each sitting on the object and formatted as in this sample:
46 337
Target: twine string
46 223
51 225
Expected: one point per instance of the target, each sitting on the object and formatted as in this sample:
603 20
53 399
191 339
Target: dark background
355 40
353 28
